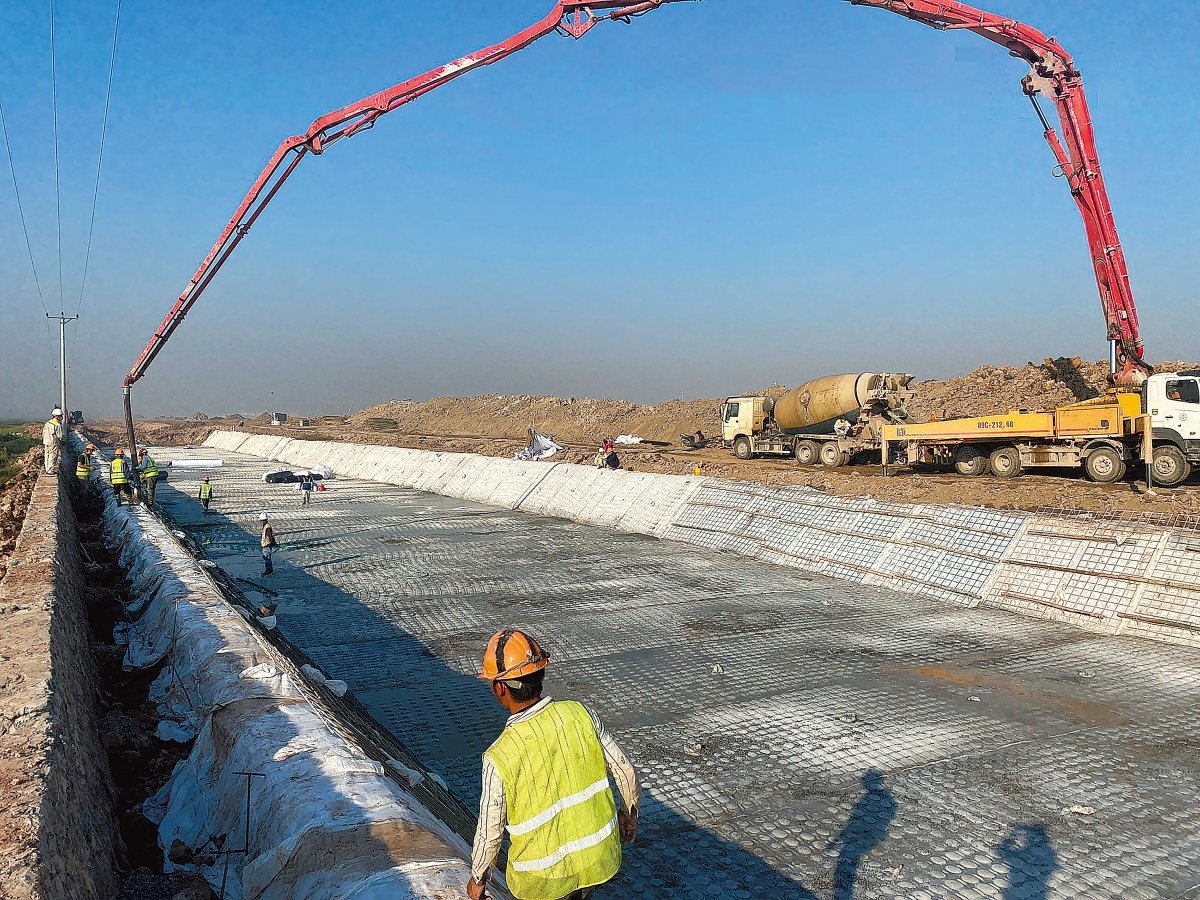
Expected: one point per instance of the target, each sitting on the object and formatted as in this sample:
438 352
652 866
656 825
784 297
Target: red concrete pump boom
571 18
1053 74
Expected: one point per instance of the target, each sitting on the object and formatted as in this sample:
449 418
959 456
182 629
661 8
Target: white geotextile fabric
540 446
326 822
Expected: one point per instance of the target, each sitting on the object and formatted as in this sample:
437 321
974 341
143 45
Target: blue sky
723 195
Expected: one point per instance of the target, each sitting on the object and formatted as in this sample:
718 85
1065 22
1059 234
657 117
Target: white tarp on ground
540 447
325 820
196 464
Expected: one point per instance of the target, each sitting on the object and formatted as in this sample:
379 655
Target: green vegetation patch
14 443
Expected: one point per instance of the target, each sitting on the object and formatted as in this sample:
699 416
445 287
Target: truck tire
1104 465
807 453
969 460
1170 466
832 456
1005 462
742 448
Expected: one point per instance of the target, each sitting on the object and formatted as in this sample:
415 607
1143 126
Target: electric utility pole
63 319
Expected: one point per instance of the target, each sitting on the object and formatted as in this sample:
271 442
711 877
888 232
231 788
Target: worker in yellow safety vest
83 463
205 494
545 782
119 476
149 472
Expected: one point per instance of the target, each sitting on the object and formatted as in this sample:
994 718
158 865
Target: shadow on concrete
1031 861
866 830
443 717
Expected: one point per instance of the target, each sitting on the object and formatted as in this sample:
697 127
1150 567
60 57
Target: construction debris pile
989 390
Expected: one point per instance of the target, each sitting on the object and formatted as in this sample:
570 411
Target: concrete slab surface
797 736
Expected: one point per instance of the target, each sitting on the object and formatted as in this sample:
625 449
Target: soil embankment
497 425
70 715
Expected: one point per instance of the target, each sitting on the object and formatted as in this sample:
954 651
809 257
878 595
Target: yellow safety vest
118 471
205 491
562 819
83 466
149 467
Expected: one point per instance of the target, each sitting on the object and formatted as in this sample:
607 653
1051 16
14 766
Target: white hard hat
56 412
262 517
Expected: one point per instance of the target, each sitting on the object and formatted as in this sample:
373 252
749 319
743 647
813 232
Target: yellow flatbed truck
1104 436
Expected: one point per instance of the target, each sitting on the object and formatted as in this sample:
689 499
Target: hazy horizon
710 199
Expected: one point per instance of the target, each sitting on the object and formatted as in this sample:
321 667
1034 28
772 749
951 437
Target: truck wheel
742 448
1104 465
831 455
1170 466
808 453
1005 462
970 461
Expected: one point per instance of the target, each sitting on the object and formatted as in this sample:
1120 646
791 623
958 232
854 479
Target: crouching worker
545 782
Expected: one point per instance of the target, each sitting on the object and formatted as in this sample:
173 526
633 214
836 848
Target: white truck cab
1172 400
742 417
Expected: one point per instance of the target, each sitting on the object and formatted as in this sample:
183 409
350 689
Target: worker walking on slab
205 494
52 441
268 544
307 486
545 781
149 474
118 474
83 463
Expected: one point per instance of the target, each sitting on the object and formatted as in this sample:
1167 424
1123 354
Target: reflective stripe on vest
118 471
149 467
562 816
83 466
205 491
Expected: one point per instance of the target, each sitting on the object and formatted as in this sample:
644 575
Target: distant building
278 418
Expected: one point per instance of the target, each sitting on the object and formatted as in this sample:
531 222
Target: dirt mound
582 421
989 390
572 420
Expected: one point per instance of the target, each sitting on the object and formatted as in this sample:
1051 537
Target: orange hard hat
512 654
119 452
90 447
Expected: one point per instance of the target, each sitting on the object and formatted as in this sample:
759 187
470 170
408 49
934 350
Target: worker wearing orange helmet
545 781
83 463
119 475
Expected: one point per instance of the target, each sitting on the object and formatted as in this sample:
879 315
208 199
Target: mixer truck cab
741 419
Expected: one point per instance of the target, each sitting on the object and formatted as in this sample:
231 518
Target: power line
21 209
112 64
57 170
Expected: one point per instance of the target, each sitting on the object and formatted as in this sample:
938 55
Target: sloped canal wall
278 797
1104 575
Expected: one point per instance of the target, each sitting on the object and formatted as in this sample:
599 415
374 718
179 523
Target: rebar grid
1014 755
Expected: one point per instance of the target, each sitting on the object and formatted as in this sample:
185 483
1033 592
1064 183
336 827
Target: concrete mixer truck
828 421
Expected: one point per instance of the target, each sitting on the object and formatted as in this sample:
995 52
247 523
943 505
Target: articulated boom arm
572 18
1053 74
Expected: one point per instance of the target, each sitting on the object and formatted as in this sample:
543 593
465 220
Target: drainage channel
140 763
797 736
